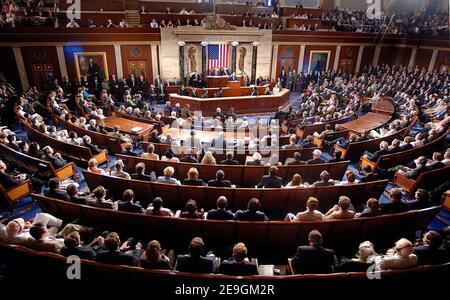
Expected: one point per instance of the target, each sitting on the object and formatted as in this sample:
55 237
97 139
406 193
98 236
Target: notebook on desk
136 129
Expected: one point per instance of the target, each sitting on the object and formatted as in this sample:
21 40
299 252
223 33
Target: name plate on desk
136 129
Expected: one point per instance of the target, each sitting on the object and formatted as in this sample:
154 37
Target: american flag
217 56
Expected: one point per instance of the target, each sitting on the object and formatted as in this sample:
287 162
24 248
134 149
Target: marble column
181 59
254 62
204 60
233 56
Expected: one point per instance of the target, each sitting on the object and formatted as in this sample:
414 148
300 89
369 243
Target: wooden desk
366 123
221 81
126 126
242 105
207 136
383 107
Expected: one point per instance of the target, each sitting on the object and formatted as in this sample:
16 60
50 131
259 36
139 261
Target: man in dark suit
230 160
6 180
436 162
72 246
308 142
221 212
254 92
157 81
140 173
383 150
252 213
127 204
219 142
153 94
54 191
87 142
132 83
337 157
74 195
421 166
215 72
430 253
93 69
194 262
219 181
271 180
314 259
114 255
190 157
368 174
296 160
280 113
238 265
396 205
316 158
233 77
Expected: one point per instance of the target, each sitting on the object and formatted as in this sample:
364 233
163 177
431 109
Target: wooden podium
234 84
222 81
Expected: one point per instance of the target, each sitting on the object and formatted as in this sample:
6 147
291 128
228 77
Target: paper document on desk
136 129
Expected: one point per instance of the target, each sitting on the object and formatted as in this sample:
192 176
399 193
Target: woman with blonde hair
192 178
167 178
150 153
92 167
208 159
152 258
363 259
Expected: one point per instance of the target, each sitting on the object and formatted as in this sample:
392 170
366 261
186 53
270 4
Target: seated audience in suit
167 178
118 254
98 199
73 246
140 173
129 150
256 160
194 262
230 160
157 209
314 258
74 196
383 150
292 143
395 205
168 156
191 211
150 153
316 158
271 180
92 167
87 142
341 210
193 178
325 179
337 157
252 213
221 212
430 252
190 157
54 190
308 142
127 204
372 209
219 181
436 162
152 258
310 214
295 160
361 262
9 181
368 174
41 240
55 158
400 257
118 172
238 265
421 200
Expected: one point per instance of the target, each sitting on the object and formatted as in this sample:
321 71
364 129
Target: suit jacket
246 215
57 194
130 207
197 182
219 183
377 154
254 163
269 181
394 207
143 177
313 260
414 173
78 199
94 148
429 256
229 162
188 159
314 161
369 177
185 263
308 145
230 267
8 181
435 165
83 252
119 258
220 214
